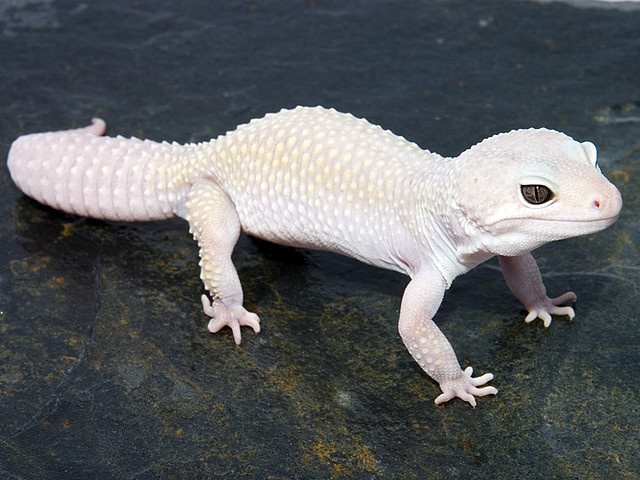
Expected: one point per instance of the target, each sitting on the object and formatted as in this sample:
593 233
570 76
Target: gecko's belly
322 229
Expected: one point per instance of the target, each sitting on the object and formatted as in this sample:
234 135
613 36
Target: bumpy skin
316 178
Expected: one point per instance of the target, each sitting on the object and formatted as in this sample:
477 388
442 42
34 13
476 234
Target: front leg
525 282
215 225
428 345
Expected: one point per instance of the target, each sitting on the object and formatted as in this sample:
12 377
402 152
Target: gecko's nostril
596 204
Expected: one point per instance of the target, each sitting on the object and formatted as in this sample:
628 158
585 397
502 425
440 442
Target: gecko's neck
432 220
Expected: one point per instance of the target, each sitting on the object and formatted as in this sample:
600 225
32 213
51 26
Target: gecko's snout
608 204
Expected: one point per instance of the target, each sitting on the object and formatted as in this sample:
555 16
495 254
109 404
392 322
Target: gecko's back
318 178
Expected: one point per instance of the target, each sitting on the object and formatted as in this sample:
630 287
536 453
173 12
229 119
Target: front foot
465 387
234 317
551 306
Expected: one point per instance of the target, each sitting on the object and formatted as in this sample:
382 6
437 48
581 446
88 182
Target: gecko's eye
536 194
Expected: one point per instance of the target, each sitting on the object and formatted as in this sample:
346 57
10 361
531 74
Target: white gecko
316 178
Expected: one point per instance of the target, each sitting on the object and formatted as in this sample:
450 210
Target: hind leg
215 225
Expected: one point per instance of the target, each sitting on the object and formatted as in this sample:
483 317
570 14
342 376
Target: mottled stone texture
106 368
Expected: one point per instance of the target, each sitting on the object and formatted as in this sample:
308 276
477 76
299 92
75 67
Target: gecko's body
316 178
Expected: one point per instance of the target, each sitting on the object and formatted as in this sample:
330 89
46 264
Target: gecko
315 178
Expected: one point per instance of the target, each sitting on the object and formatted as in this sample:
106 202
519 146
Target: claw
466 388
234 317
551 306
564 298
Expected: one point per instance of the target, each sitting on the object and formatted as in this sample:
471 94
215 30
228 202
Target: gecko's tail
80 171
97 127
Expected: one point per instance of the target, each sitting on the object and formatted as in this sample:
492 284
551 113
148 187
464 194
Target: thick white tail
80 171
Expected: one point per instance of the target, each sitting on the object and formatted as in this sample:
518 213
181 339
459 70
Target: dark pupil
536 194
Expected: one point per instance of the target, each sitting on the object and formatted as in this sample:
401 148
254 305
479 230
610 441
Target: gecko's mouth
579 226
602 221
605 220
608 219
542 230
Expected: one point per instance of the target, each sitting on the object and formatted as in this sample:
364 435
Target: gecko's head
521 189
